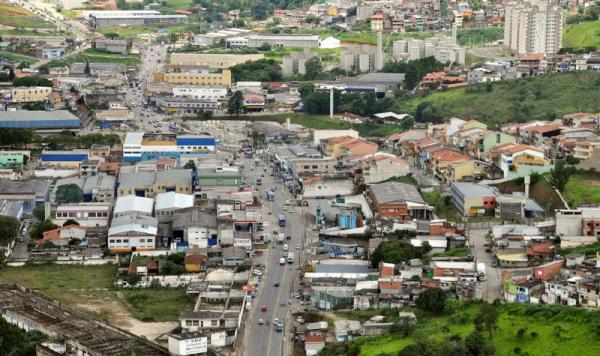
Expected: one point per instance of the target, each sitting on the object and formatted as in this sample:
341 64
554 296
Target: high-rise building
533 26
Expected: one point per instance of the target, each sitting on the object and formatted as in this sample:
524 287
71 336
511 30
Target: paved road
47 11
264 340
492 287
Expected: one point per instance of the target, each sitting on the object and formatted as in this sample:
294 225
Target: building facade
533 26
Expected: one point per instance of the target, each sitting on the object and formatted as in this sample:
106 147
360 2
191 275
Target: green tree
11 75
9 229
69 193
432 300
87 70
306 89
37 232
70 222
487 318
32 82
258 11
171 268
265 47
559 175
39 212
44 69
313 68
396 251
478 345
235 105
16 342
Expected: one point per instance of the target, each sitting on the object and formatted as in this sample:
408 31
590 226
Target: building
73 158
148 184
99 19
377 21
140 147
99 188
195 78
111 45
578 222
363 58
132 233
12 158
443 48
219 176
295 62
380 167
214 93
294 41
399 200
50 52
228 35
518 160
131 204
533 26
62 235
169 202
30 94
472 199
187 344
213 60
41 121
86 214
185 106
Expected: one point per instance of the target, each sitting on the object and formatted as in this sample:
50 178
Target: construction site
72 332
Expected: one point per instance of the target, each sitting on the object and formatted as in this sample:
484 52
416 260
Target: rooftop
174 200
472 189
132 203
390 192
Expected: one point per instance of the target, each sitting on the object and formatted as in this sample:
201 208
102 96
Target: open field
557 330
97 56
582 189
321 122
582 35
18 57
158 304
134 31
16 16
544 97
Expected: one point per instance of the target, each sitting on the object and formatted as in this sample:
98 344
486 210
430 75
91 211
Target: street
263 339
492 287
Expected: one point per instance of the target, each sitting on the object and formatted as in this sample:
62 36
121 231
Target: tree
427 112
258 11
487 318
265 47
17 342
44 69
32 82
87 70
397 251
39 212
37 232
559 175
9 228
133 279
432 300
172 268
235 104
306 89
313 68
70 222
478 345
69 193
11 74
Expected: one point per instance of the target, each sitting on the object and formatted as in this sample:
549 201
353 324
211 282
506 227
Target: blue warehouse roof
195 141
24 119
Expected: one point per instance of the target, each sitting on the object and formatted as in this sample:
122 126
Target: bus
281 220
270 195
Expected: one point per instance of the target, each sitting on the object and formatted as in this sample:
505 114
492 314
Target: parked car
263 308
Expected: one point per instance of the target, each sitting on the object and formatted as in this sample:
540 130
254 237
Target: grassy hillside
96 56
543 97
548 330
16 16
584 34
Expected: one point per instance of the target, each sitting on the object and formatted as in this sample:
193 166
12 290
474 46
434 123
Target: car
297 295
291 211
494 263
272 189
285 247
288 237
263 308
284 255
276 284
287 202
297 247
257 272
261 322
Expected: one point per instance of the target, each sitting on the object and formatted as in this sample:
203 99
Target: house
379 167
321 187
132 233
86 214
346 330
62 235
313 344
348 146
469 170
519 160
194 262
472 199
396 140
196 226
234 256
99 188
399 200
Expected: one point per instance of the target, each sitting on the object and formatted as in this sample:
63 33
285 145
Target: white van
282 261
285 247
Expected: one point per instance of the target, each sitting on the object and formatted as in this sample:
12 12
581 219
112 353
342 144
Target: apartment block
533 26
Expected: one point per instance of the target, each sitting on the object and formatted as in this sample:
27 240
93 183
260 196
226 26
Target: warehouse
41 121
300 41
99 19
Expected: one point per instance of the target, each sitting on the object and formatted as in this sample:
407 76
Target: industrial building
185 105
210 38
298 41
99 19
195 92
213 60
41 121
30 94
195 78
139 147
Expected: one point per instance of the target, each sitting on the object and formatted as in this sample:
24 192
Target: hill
544 97
582 35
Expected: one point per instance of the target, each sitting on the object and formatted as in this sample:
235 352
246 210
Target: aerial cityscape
300 177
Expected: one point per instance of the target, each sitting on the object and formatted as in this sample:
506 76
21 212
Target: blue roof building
44 121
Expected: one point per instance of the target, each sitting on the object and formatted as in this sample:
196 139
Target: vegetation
14 57
264 70
479 36
444 208
559 175
235 105
57 279
37 231
96 56
69 193
588 250
67 140
158 304
533 329
432 300
414 70
455 252
582 36
17 16
543 97
582 188
9 229
32 82
17 342
396 251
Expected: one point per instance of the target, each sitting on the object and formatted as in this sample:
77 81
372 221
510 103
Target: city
348 177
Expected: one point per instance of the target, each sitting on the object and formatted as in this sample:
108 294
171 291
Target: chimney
379 55
527 182
331 102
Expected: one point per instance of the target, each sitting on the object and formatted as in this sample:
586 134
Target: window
142 240
188 323
118 241
214 323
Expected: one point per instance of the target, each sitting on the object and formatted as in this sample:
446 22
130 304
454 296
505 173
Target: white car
297 247
257 272
285 247
261 322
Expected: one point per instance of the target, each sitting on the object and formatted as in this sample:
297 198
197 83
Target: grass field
558 330
16 16
158 304
322 122
544 97
588 250
96 56
18 57
455 252
57 277
581 35
134 31
582 189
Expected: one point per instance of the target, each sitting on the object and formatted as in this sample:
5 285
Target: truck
280 238
270 195
290 257
281 220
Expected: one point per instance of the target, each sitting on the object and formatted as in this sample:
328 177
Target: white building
167 203
443 48
131 204
187 344
132 233
533 26
86 214
201 92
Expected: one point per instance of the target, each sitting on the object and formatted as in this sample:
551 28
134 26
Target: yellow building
30 94
466 170
190 78
213 60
